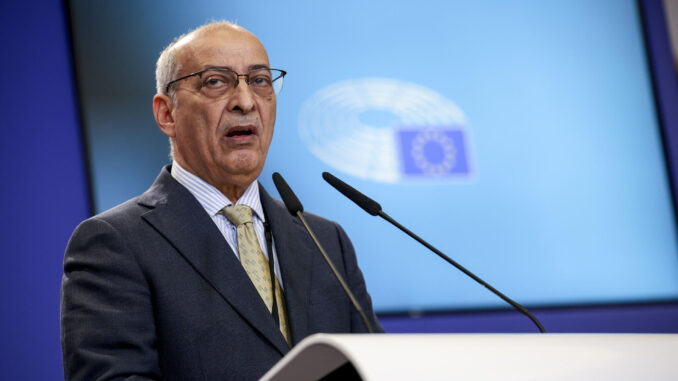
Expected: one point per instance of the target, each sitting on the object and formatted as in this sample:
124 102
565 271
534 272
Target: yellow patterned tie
255 263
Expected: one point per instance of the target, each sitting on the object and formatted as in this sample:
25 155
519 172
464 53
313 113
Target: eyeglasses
216 82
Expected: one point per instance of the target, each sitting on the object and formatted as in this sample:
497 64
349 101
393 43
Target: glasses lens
261 81
216 82
265 82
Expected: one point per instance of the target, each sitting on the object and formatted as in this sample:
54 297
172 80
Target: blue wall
44 192
44 196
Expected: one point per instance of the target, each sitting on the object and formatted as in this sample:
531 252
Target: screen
520 138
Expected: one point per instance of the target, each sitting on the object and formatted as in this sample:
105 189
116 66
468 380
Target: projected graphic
386 130
433 152
519 138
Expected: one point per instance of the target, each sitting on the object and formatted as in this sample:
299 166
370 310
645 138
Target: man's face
223 140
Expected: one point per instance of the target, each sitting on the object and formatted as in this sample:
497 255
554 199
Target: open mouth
238 131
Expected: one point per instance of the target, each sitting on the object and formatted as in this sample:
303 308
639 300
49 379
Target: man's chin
240 160
247 169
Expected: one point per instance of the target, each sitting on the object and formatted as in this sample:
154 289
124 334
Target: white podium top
564 357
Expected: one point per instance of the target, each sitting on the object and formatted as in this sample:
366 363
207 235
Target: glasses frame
237 80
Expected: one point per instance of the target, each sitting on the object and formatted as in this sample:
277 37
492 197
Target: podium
567 357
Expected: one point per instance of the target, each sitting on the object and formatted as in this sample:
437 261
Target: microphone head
370 206
289 198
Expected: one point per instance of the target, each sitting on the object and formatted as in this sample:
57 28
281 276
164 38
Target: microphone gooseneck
295 208
370 206
373 208
290 200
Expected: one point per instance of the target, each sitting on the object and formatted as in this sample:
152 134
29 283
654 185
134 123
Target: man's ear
162 110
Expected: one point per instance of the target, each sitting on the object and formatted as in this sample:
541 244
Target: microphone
372 207
296 209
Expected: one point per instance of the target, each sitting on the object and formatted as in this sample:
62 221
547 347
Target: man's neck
232 192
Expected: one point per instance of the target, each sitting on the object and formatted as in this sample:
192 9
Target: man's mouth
239 131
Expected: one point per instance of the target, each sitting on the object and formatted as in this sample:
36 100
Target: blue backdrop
521 138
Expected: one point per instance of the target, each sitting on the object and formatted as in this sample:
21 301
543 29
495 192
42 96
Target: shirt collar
211 199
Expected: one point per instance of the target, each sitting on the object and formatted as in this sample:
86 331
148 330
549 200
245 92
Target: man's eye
260 81
215 82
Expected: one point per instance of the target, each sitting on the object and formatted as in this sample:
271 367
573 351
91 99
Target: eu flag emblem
433 152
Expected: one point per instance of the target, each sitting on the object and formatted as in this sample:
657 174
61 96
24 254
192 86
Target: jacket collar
181 220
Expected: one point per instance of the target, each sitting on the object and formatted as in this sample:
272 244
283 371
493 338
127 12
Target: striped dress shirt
212 200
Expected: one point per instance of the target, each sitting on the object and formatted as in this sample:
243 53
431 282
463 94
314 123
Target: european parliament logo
386 130
433 152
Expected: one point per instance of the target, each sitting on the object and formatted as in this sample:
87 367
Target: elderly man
204 276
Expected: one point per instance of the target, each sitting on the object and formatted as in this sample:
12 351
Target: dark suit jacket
152 290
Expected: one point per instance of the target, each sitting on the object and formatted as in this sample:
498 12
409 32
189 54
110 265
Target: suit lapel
294 248
178 216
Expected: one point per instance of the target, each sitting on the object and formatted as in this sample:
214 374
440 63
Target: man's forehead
223 42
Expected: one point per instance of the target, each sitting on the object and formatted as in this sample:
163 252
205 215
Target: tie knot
238 214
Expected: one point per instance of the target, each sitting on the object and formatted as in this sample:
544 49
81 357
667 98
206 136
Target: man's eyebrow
250 68
205 67
259 66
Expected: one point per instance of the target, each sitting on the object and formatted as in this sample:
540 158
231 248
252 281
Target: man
155 288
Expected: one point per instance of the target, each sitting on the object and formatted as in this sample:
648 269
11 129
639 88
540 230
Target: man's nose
242 98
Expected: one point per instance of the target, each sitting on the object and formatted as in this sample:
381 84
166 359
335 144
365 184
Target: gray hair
167 68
